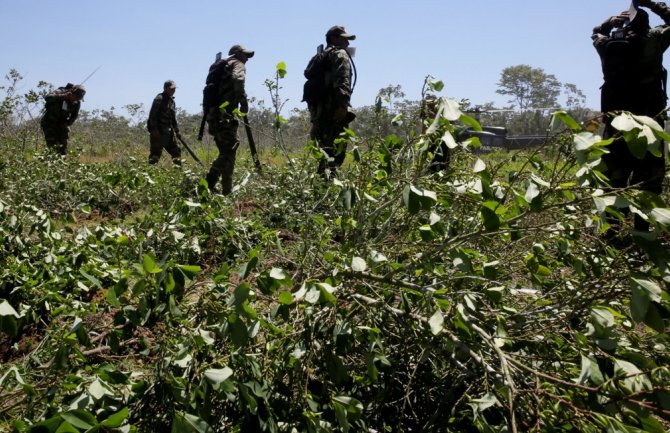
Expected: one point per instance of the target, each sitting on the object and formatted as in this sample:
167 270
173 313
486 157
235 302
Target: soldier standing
230 95
162 125
331 111
631 54
61 110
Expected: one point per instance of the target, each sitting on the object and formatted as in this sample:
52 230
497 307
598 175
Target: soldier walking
162 125
61 110
228 95
330 108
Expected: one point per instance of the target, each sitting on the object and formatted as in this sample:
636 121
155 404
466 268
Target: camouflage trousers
326 133
167 141
56 137
224 130
625 170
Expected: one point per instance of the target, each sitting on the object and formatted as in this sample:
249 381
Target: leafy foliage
487 297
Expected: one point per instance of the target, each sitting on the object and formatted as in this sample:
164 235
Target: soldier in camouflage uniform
223 124
334 113
635 80
61 110
162 125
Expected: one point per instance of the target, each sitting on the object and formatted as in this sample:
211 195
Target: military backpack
314 90
219 75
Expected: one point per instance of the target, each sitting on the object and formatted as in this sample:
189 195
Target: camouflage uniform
163 126
440 151
325 129
634 80
60 113
223 125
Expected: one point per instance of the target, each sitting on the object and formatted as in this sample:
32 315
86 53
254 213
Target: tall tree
529 87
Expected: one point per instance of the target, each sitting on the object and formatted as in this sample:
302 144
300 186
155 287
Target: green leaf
490 219
417 199
625 122
436 322
562 117
217 375
8 316
326 291
281 69
65 427
531 192
80 418
484 402
661 216
189 270
187 423
278 274
97 390
358 264
149 265
7 310
450 109
479 166
115 420
435 85
285 297
470 121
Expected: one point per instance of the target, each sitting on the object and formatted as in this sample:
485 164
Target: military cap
236 49
79 91
339 31
169 84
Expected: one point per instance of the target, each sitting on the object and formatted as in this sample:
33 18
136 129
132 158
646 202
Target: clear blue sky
140 44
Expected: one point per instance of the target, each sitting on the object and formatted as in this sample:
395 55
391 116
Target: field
493 296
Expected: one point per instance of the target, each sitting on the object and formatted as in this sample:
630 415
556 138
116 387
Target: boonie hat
169 84
235 49
339 31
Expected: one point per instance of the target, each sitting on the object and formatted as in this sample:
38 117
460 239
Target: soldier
440 151
162 125
61 110
230 95
332 111
632 65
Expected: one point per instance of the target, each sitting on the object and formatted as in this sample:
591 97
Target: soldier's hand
244 107
178 134
619 20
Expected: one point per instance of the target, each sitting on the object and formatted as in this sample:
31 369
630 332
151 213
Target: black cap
339 31
236 49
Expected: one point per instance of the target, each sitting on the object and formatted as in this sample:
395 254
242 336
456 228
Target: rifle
189 150
201 131
252 146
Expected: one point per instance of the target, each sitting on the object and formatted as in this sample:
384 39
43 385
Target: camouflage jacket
629 58
163 114
59 112
232 90
338 78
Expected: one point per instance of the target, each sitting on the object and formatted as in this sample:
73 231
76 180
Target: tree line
533 95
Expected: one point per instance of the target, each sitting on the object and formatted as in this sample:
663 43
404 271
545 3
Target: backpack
219 73
314 89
